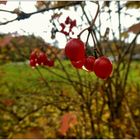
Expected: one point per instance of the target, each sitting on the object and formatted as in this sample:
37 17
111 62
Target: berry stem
82 32
87 38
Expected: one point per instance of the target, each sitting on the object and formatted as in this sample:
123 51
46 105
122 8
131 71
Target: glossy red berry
78 64
75 49
50 63
102 67
33 55
89 62
42 58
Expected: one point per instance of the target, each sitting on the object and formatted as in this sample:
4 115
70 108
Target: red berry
68 20
33 55
42 58
102 67
89 62
75 50
49 63
78 64
62 26
32 63
72 24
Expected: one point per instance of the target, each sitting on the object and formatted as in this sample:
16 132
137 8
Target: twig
92 22
24 15
1 10
45 81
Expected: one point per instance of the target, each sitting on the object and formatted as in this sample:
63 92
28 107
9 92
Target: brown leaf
124 34
8 102
67 121
107 3
3 2
56 15
17 11
6 40
31 133
134 28
41 4
132 4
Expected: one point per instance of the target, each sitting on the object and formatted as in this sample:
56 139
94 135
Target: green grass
20 79
26 87
22 76
134 74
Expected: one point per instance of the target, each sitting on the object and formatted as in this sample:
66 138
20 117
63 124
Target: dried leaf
134 28
124 34
107 3
8 102
3 2
31 133
6 40
17 11
68 120
56 15
41 5
132 4
42 121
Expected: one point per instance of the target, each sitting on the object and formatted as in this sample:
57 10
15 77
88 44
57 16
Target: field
21 76
26 92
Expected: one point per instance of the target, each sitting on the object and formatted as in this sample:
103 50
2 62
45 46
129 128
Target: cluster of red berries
71 23
75 51
40 58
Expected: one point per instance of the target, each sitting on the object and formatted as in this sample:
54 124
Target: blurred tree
102 108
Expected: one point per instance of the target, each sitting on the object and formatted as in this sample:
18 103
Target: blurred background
62 101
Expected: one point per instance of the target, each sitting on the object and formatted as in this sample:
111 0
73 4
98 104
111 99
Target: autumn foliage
85 90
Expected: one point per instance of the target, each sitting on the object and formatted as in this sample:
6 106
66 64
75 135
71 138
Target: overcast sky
40 25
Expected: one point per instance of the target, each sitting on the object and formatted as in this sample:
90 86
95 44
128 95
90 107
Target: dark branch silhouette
22 15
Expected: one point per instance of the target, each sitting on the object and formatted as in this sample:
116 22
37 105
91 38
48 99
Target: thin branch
4 23
22 15
12 12
131 49
93 21
45 81
129 110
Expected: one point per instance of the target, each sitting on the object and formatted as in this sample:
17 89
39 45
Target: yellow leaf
124 35
31 133
42 121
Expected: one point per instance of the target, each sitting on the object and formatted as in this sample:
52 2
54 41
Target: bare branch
22 15
12 12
